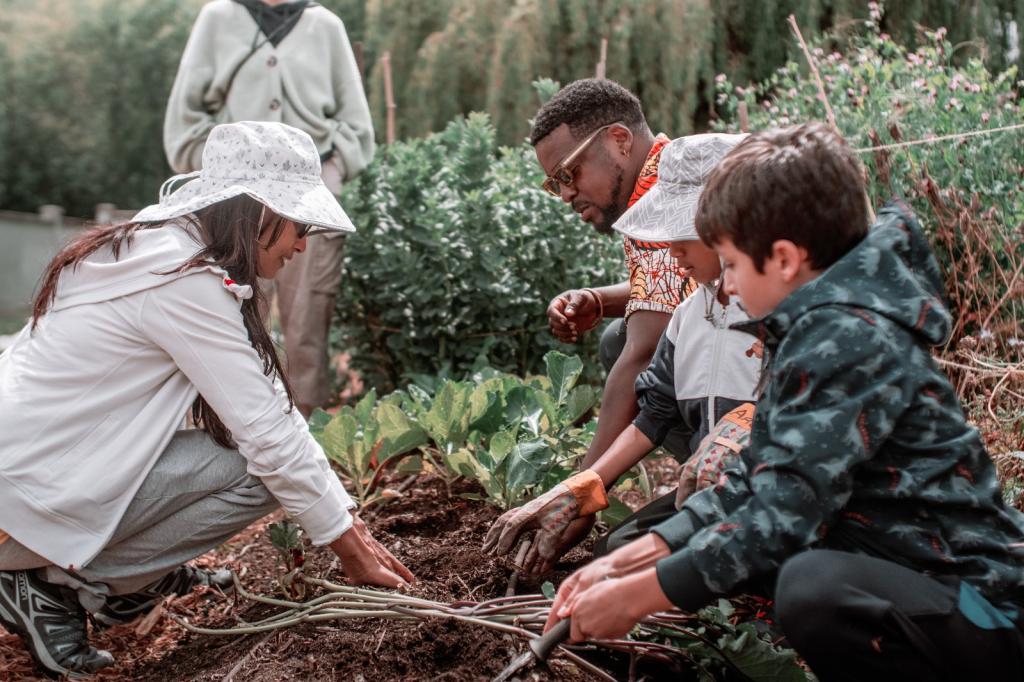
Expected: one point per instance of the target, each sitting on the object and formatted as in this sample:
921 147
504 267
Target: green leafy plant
524 435
509 434
286 537
361 440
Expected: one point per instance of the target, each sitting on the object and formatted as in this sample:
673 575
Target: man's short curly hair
586 105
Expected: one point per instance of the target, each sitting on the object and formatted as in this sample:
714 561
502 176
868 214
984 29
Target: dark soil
436 533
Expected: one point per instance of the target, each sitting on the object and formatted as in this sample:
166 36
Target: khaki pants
306 288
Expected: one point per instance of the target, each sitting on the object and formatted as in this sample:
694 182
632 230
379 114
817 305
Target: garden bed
436 533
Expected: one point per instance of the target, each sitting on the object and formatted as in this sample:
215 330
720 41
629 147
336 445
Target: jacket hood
892 272
147 261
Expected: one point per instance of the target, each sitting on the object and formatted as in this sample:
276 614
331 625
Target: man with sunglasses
600 156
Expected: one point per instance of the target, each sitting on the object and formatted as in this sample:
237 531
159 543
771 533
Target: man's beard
614 210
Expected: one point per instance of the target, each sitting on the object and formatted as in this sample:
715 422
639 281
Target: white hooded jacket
92 396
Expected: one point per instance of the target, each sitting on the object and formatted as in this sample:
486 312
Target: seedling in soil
286 537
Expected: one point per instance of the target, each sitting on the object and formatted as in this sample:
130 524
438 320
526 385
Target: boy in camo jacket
865 495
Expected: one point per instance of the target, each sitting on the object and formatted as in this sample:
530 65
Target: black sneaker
51 622
127 607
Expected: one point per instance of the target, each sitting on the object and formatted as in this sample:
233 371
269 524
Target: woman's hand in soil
610 608
366 561
639 555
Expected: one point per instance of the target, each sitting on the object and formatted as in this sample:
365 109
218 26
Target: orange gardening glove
581 495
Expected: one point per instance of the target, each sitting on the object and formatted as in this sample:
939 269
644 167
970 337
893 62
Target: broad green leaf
447 422
502 444
366 445
761 660
526 465
462 462
580 399
364 408
547 588
318 420
563 371
616 513
523 409
487 410
398 433
337 440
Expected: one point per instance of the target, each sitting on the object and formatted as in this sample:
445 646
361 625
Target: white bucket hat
274 163
666 212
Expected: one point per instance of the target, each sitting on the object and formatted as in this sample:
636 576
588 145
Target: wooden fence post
744 117
389 95
599 73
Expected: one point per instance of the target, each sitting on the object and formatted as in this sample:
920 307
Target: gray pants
196 497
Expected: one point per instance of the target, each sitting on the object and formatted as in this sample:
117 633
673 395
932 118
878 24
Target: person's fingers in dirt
398 567
508 523
380 576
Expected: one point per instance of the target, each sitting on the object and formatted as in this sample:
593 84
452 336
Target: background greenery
85 82
459 253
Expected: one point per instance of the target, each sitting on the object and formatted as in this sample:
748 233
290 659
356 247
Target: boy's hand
610 608
581 494
637 556
573 312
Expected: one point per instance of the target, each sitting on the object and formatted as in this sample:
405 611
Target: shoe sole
16 624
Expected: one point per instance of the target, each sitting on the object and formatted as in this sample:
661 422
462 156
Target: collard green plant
362 439
509 434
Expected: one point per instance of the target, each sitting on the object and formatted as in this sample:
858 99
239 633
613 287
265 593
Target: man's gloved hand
719 449
580 495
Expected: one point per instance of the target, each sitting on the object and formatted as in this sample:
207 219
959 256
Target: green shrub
458 253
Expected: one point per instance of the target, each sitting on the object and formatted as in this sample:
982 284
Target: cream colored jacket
91 397
310 81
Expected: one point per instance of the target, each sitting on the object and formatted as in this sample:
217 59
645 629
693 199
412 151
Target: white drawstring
165 189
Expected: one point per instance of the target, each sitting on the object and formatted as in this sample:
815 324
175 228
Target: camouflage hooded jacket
859 442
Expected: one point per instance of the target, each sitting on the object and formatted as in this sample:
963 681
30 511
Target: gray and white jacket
700 371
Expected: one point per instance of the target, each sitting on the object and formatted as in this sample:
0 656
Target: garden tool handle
543 645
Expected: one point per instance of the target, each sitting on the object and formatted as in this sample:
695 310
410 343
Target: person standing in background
288 62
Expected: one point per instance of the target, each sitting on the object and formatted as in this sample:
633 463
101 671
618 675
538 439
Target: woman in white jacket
105 495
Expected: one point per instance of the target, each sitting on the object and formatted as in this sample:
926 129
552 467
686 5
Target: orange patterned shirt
655 282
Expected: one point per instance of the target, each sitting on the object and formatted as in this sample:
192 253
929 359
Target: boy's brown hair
801 183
